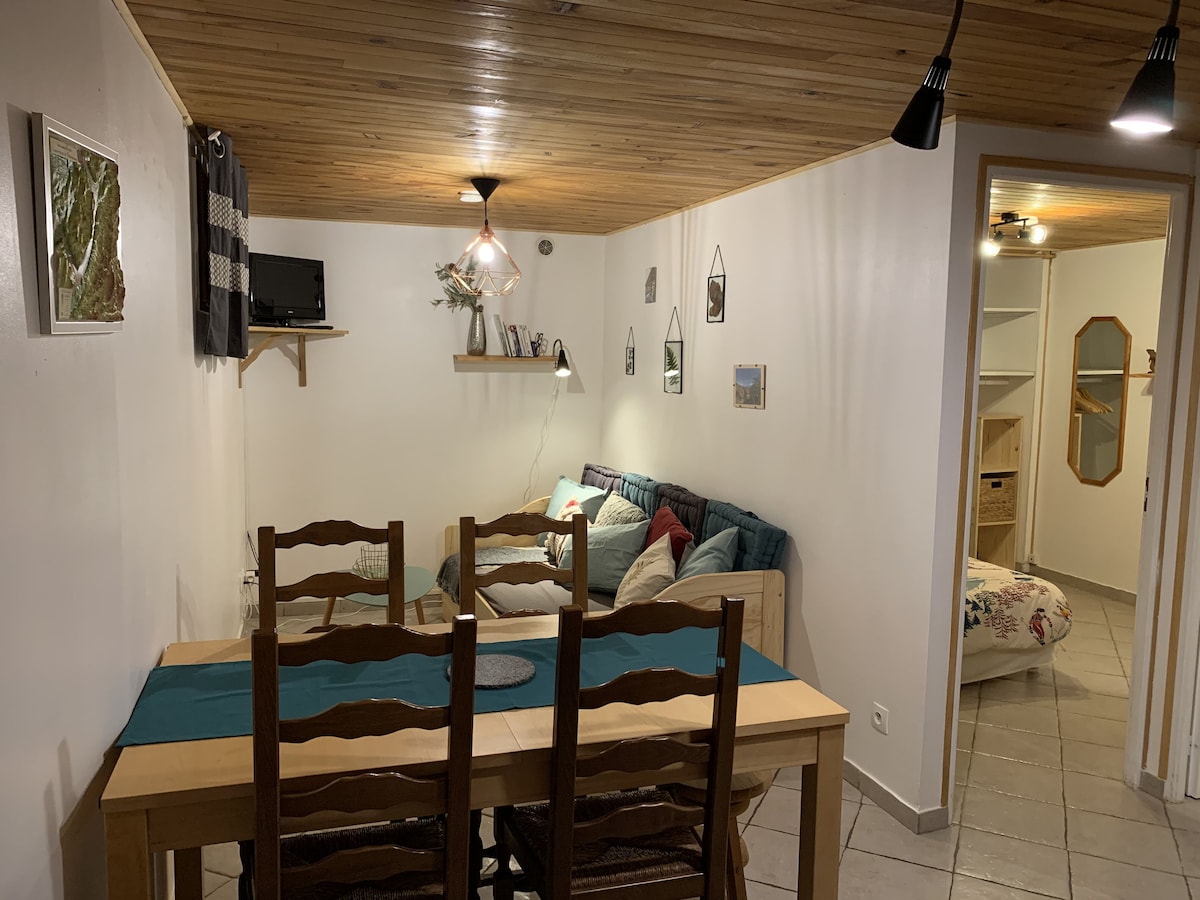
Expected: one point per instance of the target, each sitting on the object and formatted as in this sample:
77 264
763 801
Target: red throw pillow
666 522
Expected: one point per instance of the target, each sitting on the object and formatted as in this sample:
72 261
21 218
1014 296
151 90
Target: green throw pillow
611 550
714 555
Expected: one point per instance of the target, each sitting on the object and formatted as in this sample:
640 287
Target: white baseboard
915 821
1103 590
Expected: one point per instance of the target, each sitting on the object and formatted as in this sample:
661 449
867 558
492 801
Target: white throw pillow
650 573
554 541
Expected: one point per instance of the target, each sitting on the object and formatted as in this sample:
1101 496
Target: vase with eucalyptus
457 298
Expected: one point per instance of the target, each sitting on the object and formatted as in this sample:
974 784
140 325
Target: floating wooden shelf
465 363
273 334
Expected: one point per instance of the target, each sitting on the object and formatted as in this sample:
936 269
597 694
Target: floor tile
1026 746
1120 616
224 859
966 888
1113 798
779 810
1108 685
1091 730
1020 864
1015 691
850 812
1017 778
1087 662
865 876
1087 611
1029 820
1122 634
968 701
962 766
1194 886
960 795
1124 649
1103 879
774 857
1184 816
1136 843
790 777
1089 630
966 735
1188 845
1099 646
1093 759
877 832
851 793
1022 717
1098 705
1040 675
756 891
745 817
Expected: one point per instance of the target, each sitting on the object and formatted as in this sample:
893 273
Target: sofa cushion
619 511
554 541
714 555
544 596
650 573
760 544
640 490
688 507
611 550
666 522
590 498
596 475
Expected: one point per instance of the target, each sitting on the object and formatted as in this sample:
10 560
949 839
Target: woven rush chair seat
604 864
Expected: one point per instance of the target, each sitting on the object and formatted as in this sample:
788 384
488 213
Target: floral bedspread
1008 610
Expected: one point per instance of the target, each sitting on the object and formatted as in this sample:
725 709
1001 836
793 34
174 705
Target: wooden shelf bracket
271 335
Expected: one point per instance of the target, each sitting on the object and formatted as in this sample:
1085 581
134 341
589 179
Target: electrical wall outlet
250 576
879 719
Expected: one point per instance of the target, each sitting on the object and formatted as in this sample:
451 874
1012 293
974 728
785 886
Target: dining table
183 795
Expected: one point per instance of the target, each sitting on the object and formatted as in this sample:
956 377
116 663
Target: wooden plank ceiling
605 113
1076 217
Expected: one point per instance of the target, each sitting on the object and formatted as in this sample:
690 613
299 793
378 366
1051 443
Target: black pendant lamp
921 122
1149 105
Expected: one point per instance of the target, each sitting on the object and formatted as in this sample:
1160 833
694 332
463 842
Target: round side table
418 582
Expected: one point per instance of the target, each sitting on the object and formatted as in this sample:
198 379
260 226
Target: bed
1012 621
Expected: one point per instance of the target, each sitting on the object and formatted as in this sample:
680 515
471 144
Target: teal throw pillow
611 550
714 555
590 500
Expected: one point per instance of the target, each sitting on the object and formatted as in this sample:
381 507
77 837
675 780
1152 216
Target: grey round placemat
499 670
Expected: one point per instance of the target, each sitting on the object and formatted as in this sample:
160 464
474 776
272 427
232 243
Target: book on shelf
526 343
514 338
501 334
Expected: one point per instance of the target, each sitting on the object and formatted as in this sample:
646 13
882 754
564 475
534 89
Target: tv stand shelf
273 333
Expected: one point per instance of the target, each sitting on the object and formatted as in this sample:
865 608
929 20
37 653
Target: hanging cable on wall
543 434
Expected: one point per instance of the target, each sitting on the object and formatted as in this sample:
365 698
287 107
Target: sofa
753 575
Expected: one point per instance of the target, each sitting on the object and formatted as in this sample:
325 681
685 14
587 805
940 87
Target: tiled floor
1040 808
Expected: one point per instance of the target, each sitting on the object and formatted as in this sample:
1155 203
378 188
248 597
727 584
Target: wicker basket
997 498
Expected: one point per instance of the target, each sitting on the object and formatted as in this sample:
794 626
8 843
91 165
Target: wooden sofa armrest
500 540
762 589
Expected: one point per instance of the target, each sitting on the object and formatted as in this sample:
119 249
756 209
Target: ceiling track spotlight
921 122
1149 104
1028 229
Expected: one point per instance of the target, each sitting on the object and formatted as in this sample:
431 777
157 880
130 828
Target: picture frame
750 386
81 284
714 299
673 367
629 361
651 285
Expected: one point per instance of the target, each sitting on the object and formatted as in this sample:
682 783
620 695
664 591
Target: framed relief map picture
78 205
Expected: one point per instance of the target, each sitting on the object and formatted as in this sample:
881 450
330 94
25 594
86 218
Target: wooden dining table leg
127 852
821 818
189 874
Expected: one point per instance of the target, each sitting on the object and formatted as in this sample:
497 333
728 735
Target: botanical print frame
750 387
629 353
714 303
652 284
673 356
78 207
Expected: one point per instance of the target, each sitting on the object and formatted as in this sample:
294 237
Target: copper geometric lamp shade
485 269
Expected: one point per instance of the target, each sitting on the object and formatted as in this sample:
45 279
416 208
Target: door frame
1170 459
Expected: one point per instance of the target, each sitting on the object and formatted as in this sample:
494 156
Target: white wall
846 308
1085 530
386 428
122 477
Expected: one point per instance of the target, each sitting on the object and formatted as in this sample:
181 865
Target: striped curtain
223 252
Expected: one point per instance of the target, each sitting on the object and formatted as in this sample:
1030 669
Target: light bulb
1142 127
990 247
486 252
1037 234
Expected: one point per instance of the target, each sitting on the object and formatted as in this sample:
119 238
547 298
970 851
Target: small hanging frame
629 348
714 305
673 356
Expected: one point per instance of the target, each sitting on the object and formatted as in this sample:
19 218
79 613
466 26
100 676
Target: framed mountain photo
78 208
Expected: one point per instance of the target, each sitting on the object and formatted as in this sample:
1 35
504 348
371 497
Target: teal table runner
190 703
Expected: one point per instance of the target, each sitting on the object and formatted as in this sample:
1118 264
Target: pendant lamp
485 269
1149 105
921 122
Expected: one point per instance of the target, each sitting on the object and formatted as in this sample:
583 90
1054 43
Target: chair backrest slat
637 821
427 789
369 791
365 864
363 718
648 686
523 572
652 758
642 755
329 584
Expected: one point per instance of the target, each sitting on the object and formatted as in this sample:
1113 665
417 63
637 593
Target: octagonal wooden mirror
1100 388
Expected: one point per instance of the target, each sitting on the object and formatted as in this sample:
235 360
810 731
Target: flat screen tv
284 289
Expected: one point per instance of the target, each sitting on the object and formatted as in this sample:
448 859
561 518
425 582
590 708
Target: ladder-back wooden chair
641 842
428 856
329 585
522 572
